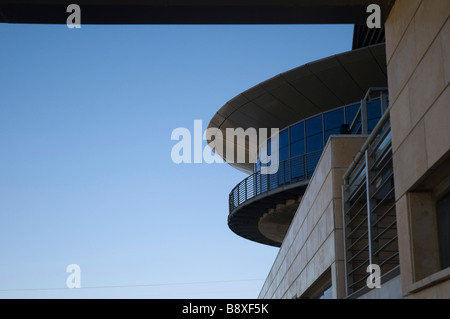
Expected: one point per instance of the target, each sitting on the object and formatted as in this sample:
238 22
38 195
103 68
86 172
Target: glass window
373 114
374 109
284 154
283 173
314 143
314 125
297 132
443 221
333 119
314 133
332 122
283 138
298 168
298 148
311 162
350 113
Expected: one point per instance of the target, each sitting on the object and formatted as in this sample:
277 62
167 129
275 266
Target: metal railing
370 225
290 171
302 167
360 123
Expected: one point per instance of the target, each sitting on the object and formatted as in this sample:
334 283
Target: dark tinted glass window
284 153
332 122
283 138
297 132
333 119
314 125
350 112
314 143
374 109
297 148
373 114
298 168
283 172
311 163
443 221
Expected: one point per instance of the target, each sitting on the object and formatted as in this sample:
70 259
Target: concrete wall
418 55
314 243
389 290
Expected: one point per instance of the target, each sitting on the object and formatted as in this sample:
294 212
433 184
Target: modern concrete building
364 175
364 144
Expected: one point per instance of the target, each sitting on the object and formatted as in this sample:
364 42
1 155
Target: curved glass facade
301 145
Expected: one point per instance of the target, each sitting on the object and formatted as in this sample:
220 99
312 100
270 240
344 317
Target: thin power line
132 286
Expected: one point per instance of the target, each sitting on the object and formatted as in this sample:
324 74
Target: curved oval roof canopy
300 93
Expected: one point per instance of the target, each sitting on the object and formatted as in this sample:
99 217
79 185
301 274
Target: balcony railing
370 224
302 167
290 171
360 123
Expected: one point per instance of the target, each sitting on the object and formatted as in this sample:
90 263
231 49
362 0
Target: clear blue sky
86 175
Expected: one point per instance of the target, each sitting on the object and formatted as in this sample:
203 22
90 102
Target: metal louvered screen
370 224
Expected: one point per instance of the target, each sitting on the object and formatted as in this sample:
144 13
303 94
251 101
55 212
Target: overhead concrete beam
192 12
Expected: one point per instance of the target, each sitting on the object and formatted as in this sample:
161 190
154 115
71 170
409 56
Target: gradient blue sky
86 175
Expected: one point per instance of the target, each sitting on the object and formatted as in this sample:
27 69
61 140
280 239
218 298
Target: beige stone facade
418 56
313 246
